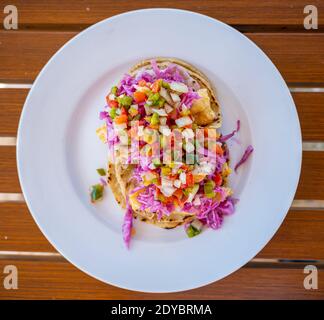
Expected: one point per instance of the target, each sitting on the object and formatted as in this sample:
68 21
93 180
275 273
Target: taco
163 95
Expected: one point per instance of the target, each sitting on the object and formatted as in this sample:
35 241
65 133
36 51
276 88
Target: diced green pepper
125 101
114 90
157 163
112 113
96 192
165 171
154 97
155 119
161 102
101 171
192 231
211 195
165 84
209 188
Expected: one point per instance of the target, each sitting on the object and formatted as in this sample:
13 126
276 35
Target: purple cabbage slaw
209 212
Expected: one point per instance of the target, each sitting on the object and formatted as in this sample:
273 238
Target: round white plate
58 151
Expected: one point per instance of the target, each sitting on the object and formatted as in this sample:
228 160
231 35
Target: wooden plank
312 176
23 53
18 230
61 280
34 14
309 188
11 104
310 108
301 235
9 181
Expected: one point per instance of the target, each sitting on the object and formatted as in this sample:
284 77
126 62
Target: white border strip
296 204
8 141
307 145
307 204
313 146
29 253
11 197
305 89
29 85
15 85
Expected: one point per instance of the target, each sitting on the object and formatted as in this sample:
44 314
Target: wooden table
277 27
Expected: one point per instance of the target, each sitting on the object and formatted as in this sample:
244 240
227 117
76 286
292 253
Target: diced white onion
175 97
163 121
165 94
168 108
165 130
184 121
179 87
168 191
160 112
189 147
177 183
188 133
148 110
183 177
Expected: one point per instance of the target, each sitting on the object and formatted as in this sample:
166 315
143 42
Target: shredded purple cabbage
230 135
189 97
148 202
126 85
244 158
213 216
127 225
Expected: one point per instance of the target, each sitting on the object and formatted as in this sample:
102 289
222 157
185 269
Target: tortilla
120 176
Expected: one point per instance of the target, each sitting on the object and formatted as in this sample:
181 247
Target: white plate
58 151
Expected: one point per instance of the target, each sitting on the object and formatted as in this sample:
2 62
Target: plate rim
22 116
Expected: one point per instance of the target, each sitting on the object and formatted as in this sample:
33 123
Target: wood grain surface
309 187
310 107
297 56
79 14
61 280
301 235
277 27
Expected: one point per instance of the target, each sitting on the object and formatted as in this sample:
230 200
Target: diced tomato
190 179
112 103
174 114
156 86
185 167
218 179
142 83
182 201
121 119
139 96
123 111
219 150
178 193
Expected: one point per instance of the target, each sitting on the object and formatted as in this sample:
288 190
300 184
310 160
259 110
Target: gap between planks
307 145
254 263
296 204
296 87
